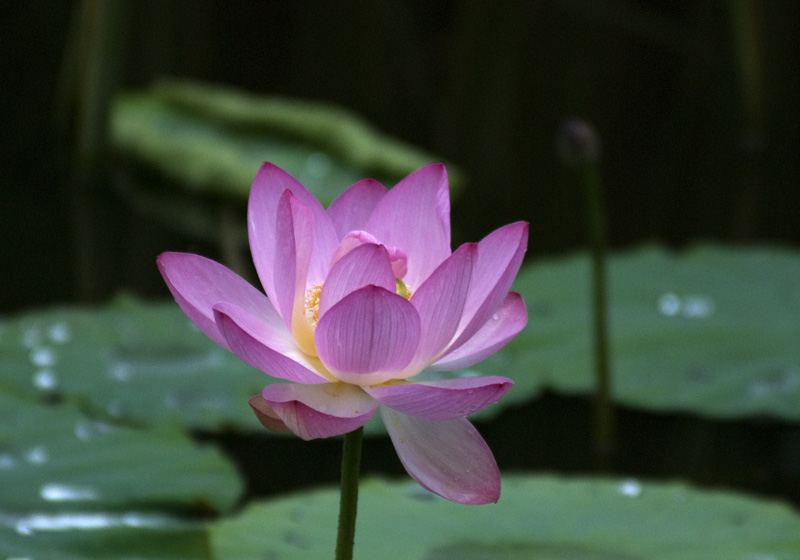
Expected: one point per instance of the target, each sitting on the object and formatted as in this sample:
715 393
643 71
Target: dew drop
630 488
43 357
86 430
495 317
120 371
59 333
23 528
295 539
31 337
779 382
298 515
45 379
117 409
698 307
67 493
37 455
692 306
7 461
669 304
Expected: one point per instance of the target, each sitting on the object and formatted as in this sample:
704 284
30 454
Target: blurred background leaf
712 331
76 486
536 517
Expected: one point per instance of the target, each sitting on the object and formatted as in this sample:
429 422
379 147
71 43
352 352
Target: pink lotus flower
360 299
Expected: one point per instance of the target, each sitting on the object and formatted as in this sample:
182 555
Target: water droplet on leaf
630 488
45 380
31 337
7 461
120 371
669 304
67 493
698 307
59 333
295 539
775 383
90 429
43 357
36 455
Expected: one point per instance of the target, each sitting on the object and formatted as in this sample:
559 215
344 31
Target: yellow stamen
312 303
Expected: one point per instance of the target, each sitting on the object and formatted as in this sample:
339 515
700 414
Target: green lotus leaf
537 517
73 486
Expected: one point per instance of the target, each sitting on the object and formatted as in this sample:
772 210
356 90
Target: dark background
697 115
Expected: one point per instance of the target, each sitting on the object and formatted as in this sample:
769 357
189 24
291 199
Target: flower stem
351 461
604 410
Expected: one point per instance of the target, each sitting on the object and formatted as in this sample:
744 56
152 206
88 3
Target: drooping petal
440 303
504 325
263 348
415 216
293 249
268 186
352 209
449 458
198 283
442 399
320 411
369 336
499 257
363 266
268 418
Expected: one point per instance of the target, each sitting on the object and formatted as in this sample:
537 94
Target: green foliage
72 486
211 140
713 331
536 518
130 361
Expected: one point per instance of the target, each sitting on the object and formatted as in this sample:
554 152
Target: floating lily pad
131 361
103 537
76 487
212 139
53 458
536 518
713 331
